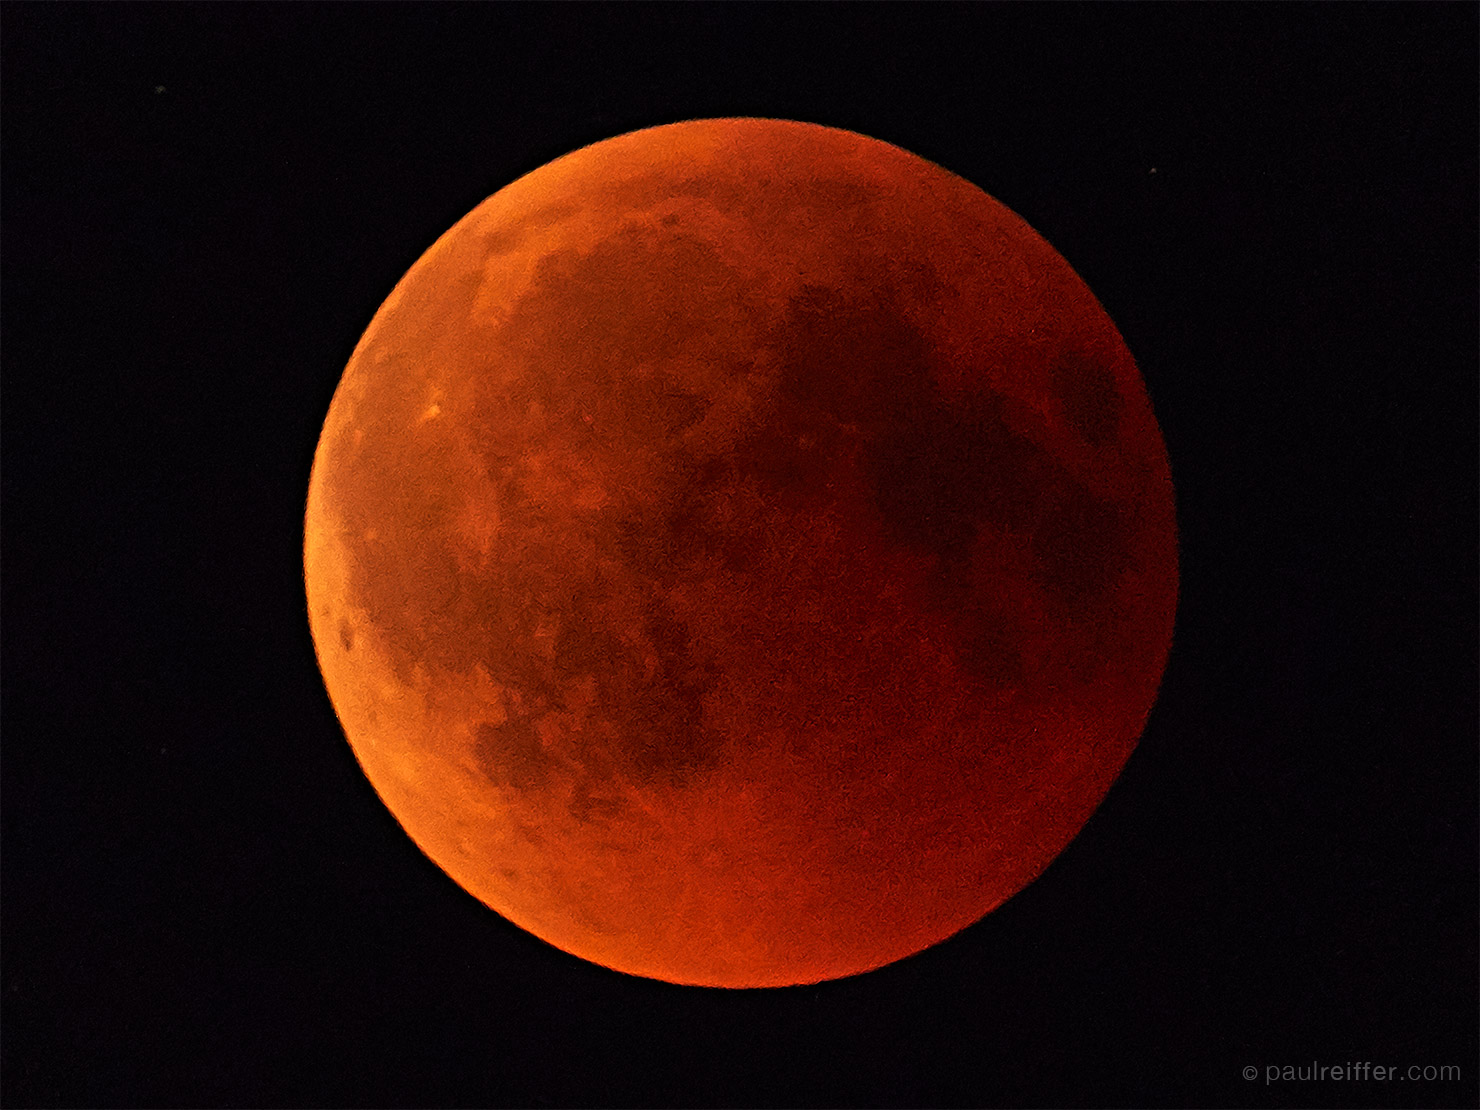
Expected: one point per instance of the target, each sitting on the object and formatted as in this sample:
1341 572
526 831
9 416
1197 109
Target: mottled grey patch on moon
589 806
502 242
835 193
603 337
735 194
346 636
670 544
946 469
511 753
940 470
938 479
859 362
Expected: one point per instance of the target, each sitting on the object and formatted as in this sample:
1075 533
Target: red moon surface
741 553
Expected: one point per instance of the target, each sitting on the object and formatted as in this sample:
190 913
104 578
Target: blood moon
741 553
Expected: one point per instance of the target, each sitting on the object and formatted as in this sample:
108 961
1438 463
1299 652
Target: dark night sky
204 902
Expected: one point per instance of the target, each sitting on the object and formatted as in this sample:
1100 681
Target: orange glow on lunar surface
741 553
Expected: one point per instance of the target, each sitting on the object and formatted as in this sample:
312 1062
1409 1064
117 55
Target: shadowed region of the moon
657 698
616 325
743 554
430 610
1091 398
666 546
512 752
857 377
1082 549
678 741
606 390
589 805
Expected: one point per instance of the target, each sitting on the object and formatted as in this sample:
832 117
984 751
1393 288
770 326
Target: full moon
741 553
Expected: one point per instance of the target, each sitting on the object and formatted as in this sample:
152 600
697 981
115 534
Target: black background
204 902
